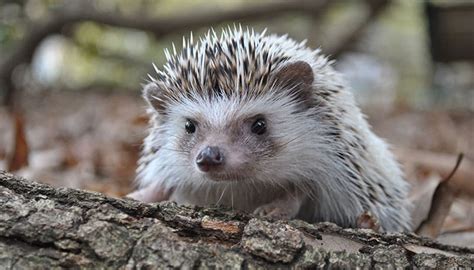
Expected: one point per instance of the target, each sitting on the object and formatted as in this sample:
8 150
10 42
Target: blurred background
71 75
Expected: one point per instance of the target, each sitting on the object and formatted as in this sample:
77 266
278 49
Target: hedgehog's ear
296 77
152 92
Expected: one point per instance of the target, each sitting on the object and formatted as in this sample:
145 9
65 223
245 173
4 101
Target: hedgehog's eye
259 126
190 127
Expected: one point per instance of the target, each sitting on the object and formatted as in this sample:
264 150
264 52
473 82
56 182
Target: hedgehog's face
223 145
225 152
234 137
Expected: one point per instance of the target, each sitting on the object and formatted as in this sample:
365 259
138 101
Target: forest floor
91 141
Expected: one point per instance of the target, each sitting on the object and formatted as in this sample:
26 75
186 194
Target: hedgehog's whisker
222 194
175 150
178 165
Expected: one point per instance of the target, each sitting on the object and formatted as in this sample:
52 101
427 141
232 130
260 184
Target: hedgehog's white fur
335 177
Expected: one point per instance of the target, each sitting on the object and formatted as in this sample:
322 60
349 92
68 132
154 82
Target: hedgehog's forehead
214 76
228 77
224 111
238 61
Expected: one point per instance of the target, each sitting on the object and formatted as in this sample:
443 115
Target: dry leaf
443 198
19 158
463 238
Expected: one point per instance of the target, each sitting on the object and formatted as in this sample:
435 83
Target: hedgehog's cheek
236 160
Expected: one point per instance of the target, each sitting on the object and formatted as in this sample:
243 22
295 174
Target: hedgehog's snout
209 158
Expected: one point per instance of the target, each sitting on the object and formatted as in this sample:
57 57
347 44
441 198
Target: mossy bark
45 227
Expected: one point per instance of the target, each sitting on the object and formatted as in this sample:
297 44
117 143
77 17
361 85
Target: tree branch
158 26
45 227
376 7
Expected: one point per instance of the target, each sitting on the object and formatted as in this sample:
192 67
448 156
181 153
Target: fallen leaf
443 198
19 157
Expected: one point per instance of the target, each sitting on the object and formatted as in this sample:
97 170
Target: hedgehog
263 124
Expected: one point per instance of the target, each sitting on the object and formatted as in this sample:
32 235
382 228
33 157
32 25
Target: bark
45 227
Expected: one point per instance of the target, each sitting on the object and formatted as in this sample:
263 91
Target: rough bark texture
45 227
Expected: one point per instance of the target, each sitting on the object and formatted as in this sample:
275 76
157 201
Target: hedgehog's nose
209 158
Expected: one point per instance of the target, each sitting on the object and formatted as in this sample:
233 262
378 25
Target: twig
439 162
